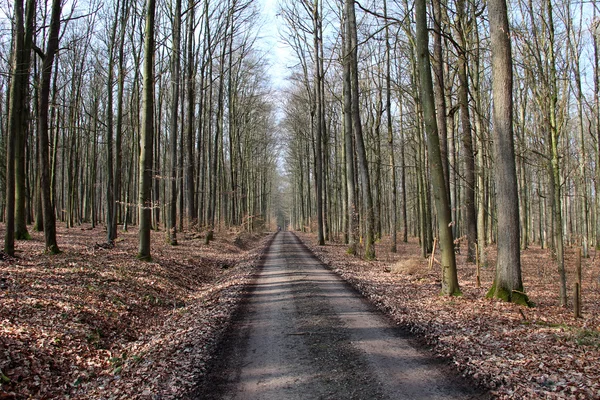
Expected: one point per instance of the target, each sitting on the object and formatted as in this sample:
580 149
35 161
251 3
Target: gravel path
303 333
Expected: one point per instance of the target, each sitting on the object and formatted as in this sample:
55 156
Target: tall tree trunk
146 138
21 195
597 124
449 274
388 107
508 284
349 146
357 128
111 224
467 140
192 211
16 107
119 127
47 206
439 87
574 46
175 68
318 126
555 163
481 152
38 225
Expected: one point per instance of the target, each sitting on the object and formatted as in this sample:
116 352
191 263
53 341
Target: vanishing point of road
303 333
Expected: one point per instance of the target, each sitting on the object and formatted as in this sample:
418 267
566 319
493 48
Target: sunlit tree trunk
508 284
439 87
449 274
318 125
16 108
21 137
111 223
357 128
175 68
555 162
349 146
390 131
146 138
467 140
43 126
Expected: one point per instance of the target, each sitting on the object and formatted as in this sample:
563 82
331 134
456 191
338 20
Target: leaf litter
516 352
95 322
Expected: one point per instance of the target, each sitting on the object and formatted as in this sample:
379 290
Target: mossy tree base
53 250
22 236
370 252
351 250
170 239
509 296
146 258
210 235
456 293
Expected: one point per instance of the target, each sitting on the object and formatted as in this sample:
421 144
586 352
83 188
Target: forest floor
96 323
517 352
302 333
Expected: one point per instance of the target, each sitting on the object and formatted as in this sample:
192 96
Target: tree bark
175 69
147 138
111 225
508 284
449 274
439 87
357 128
119 126
388 106
318 125
555 163
21 138
15 109
43 121
349 146
467 140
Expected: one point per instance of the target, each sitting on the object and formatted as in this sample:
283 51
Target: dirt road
305 334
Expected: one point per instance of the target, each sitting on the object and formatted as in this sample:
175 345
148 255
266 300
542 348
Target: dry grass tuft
409 266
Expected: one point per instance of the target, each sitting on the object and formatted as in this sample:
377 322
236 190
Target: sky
279 52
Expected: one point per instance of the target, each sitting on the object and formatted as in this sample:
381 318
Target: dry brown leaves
94 322
516 352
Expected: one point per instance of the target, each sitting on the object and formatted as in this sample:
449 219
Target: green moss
502 294
520 298
351 250
508 296
492 291
4 379
53 250
370 252
22 236
141 257
456 293
587 337
169 241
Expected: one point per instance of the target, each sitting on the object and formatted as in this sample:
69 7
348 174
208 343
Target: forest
469 129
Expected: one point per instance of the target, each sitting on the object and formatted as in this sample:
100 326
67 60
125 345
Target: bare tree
43 122
449 275
147 138
175 69
508 284
352 60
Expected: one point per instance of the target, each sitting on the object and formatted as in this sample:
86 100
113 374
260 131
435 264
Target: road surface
303 333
